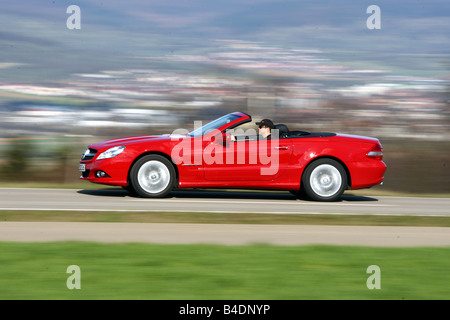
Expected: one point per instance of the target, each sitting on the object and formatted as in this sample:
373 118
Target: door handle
282 148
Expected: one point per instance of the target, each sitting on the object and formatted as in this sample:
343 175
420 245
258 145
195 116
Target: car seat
283 130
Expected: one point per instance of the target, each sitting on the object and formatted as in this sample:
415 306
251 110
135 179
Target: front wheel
324 180
152 176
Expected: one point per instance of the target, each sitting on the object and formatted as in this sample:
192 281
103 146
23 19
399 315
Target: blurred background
150 67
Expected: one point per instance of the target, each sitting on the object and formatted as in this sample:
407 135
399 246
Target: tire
152 176
324 180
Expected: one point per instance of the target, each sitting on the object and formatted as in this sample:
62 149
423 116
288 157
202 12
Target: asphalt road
220 201
216 201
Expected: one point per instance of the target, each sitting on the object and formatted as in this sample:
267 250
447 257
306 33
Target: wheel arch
347 171
165 155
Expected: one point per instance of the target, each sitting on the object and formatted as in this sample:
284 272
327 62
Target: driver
265 128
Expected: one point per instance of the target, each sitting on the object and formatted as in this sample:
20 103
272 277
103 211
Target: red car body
209 158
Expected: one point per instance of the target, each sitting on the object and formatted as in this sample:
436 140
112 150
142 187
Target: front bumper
115 171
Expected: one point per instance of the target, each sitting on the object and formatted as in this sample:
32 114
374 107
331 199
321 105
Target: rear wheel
152 176
324 180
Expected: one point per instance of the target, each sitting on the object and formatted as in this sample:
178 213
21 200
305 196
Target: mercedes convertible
229 153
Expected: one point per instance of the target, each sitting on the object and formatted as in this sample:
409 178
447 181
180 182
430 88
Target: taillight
376 152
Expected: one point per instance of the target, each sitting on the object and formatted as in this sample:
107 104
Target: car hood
127 141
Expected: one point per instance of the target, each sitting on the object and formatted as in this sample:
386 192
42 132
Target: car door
246 160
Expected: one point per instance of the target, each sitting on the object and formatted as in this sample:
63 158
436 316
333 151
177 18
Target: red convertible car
227 153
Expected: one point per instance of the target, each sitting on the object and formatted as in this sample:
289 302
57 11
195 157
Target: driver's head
265 126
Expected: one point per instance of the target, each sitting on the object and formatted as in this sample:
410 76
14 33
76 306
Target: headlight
111 153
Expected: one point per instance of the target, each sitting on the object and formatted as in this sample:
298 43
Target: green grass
146 271
228 218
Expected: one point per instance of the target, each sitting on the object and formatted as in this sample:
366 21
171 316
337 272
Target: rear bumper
367 174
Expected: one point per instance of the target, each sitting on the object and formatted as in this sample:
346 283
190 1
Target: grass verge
146 271
229 218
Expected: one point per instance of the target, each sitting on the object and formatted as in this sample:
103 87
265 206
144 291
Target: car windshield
213 125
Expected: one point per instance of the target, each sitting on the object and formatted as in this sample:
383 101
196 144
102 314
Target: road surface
215 202
226 234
